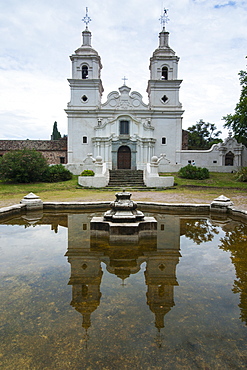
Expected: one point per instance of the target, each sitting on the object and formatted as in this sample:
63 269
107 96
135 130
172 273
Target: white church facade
124 132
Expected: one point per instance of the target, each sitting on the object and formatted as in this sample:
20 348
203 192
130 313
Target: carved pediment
231 143
125 100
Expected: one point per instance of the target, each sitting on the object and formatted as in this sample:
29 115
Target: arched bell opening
84 72
164 73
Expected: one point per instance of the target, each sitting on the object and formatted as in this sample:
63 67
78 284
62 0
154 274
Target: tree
235 242
23 166
203 135
200 231
55 133
237 122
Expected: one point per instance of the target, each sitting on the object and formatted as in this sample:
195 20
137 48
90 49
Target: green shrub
57 173
87 173
23 166
241 175
193 172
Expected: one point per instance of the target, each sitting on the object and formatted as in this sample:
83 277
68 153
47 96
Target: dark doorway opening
124 158
229 159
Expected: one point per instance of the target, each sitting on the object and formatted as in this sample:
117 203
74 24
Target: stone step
124 184
134 181
130 178
126 180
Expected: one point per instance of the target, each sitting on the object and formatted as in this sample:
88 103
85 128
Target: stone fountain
123 223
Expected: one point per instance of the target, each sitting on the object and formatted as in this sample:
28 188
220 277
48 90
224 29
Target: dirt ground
187 196
239 200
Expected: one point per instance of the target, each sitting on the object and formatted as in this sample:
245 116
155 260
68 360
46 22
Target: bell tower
86 91
163 86
163 93
85 85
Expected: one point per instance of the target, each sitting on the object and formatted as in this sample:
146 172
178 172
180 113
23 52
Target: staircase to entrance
126 178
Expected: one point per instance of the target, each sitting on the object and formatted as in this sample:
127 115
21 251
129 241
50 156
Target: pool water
68 301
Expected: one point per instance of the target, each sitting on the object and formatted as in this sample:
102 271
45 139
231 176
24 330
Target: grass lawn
216 179
184 191
59 191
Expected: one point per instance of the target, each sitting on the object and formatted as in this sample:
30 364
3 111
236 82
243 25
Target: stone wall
55 151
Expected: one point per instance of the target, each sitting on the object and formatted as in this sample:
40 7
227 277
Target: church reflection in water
160 254
157 253
195 309
86 253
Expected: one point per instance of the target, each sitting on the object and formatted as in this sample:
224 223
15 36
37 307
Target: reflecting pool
72 301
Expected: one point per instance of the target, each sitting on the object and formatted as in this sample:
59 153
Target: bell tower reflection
86 272
160 273
85 279
85 256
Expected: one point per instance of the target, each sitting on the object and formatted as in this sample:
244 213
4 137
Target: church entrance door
124 158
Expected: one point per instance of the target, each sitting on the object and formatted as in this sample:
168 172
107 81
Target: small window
164 98
84 226
84 98
189 161
84 139
124 128
214 161
162 227
164 75
162 267
84 72
163 140
62 160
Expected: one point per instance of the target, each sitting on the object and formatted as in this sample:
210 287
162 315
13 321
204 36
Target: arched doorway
229 159
124 158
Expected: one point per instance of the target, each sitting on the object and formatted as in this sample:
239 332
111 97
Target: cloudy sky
37 37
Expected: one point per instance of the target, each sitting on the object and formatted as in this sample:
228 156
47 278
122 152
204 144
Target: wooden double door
124 158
